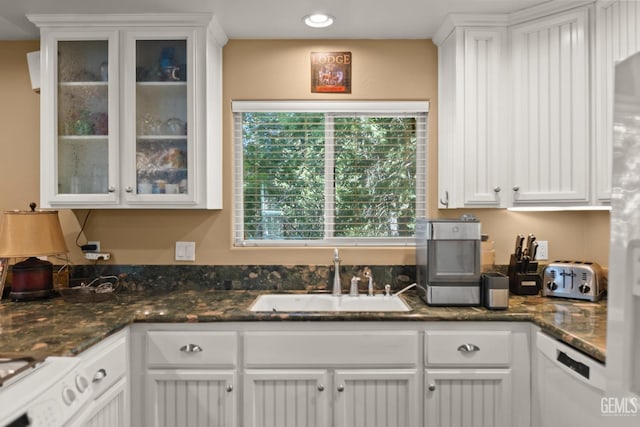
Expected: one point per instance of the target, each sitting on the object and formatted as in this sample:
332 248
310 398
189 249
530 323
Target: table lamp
29 234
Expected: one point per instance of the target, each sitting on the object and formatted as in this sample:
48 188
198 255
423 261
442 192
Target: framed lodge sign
330 72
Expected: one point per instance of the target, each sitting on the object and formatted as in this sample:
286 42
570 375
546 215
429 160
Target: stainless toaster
574 279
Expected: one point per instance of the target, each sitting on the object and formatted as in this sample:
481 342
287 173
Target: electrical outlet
97 243
97 255
542 252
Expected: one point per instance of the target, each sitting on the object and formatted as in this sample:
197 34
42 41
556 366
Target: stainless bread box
574 279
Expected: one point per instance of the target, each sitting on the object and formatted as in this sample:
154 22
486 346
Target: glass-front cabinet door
83 142
162 133
130 111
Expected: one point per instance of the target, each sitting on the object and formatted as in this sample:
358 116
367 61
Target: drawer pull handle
468 348
191 348
432 387
99 376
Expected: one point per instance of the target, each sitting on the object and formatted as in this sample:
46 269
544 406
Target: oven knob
68 396
584 288
82 383
552 286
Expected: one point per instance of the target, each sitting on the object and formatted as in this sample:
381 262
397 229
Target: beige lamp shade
31 233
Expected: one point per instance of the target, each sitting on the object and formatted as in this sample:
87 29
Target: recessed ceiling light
318 20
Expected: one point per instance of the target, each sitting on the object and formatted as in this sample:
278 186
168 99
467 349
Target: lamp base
29 295
31 279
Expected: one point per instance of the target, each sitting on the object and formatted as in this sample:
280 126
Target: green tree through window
325 176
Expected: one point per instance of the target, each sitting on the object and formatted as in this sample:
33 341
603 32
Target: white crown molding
545 9
216 31
468 20
120 19
455 20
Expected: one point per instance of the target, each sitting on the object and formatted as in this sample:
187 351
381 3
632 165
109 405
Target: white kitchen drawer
191 349
468 348
332 348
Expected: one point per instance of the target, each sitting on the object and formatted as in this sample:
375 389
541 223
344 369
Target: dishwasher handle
573 364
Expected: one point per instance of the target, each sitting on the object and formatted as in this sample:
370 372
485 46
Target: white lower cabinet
190 398
478 398
332 374
186 375
286 397
375 398
477 375
341 377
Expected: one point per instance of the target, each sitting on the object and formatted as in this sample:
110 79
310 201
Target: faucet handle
354 286
387 290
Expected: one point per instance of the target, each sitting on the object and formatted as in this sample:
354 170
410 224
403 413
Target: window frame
420 108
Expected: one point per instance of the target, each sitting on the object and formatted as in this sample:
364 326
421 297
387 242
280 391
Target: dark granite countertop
56 327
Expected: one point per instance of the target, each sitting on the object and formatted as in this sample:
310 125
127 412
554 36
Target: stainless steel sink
325 302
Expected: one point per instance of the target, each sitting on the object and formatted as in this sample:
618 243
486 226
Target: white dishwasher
570 386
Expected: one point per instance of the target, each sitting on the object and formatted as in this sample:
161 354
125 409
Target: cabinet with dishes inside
129 111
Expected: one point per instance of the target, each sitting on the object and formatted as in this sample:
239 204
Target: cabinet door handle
516 187
445 201
111 189
496 189
320 387
341 388
468 348
229 388
191 348
99 376
432 387
129 189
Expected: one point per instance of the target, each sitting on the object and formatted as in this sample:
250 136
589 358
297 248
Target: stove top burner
12 369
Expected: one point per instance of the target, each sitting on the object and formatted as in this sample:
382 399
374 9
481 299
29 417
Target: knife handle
534 251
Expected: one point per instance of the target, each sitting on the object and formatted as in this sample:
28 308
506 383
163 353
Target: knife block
523 277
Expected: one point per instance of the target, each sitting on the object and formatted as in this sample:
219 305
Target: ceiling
275 19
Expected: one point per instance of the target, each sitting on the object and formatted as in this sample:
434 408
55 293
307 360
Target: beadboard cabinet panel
472 131
376 398
286 398
197 398
617 38
550 66
111 408
459 398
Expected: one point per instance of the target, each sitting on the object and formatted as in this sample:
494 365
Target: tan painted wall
267 69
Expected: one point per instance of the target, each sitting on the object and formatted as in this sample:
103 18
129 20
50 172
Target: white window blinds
326 173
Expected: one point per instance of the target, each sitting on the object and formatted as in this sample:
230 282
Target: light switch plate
185 251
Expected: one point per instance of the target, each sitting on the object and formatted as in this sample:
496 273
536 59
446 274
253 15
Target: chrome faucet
368 275
337 286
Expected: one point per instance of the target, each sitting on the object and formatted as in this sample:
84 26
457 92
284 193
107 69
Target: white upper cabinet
525 104
125 106
551 138
617 38
472 75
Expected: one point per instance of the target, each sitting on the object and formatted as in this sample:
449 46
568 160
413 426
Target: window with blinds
326 173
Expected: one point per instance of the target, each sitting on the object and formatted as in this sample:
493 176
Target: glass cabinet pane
161 117
83 121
